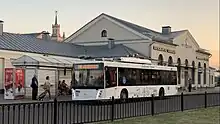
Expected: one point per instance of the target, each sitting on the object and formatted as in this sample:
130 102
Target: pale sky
200 17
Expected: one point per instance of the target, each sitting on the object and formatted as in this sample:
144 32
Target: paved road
74 112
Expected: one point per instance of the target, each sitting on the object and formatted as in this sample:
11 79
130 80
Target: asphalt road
75 112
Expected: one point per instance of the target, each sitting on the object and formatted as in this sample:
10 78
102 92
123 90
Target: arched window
193 72
170 61
179 62
186 63
160 59
204 78
193 64
104 33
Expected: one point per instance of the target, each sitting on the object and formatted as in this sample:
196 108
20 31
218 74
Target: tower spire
55 17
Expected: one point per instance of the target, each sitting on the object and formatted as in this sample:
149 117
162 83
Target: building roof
36 33
26 43
203 51
48 61
148 32
33 34
154 35
117 50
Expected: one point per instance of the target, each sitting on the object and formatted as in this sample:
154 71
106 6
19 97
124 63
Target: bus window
147 77
174 78
154 77
111 76
166 78
138 76
170 77
125 77
134 77
159 78
122 76
142 77
162 78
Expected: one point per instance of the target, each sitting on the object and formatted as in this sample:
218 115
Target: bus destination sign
87 66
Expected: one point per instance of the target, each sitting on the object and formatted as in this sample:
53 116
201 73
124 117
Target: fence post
55 111
113 108
182 107
205 99
152 105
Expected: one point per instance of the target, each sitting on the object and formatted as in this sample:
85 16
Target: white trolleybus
126 77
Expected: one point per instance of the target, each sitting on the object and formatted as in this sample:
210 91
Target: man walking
34 86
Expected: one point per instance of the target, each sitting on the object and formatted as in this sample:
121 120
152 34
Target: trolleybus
126 77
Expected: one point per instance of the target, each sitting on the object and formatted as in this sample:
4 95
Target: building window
160 59
104 33
199 73
179 70
170 61
204 73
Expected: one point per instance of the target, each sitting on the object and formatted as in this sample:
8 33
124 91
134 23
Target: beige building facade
169 48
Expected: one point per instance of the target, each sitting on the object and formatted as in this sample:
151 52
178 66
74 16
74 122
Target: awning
46 61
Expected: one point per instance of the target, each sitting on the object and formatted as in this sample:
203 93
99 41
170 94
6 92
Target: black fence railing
73 112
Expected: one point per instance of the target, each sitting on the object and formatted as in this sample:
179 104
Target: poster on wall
19 83
8 85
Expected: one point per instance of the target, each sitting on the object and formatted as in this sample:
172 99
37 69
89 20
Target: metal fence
73 112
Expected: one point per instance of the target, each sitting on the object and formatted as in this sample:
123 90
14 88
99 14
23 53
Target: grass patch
200 116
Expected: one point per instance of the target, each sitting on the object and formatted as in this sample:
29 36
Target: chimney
1 27
45 35
111 43
166 30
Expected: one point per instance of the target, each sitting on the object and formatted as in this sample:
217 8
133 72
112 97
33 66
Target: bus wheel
124 95
161 93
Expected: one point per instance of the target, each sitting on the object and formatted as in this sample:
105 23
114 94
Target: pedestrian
47 86
34 86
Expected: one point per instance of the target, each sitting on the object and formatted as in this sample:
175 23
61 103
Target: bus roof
130 65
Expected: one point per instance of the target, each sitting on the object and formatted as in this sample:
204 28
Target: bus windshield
89 78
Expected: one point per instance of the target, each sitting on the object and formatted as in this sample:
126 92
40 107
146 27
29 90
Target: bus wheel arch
161 93
124 94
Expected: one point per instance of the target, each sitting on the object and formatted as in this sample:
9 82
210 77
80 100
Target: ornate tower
56 30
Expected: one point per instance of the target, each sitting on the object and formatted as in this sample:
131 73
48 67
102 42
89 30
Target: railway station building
169 48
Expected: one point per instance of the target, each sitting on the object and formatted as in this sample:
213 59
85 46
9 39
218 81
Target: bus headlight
99 93
73 94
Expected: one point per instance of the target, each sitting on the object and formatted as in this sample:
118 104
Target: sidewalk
29 100
202 90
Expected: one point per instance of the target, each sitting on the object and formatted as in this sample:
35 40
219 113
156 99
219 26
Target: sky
200 17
